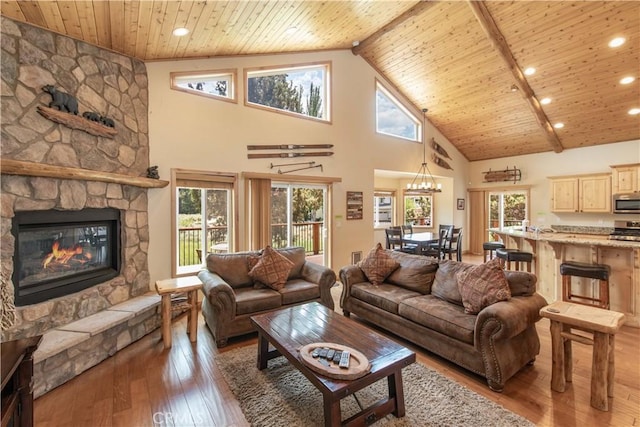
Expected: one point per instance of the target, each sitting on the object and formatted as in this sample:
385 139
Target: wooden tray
359 365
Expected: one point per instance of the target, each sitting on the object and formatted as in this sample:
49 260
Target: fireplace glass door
64 253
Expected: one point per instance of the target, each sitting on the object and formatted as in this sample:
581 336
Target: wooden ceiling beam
416 10
500 44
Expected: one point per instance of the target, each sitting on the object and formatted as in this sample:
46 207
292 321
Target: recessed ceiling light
558 125
180 32
627 80
617 42
634 111
545 101
530 71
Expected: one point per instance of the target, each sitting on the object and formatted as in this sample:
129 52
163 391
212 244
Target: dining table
422 239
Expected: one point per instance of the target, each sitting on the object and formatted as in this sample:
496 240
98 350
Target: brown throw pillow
377 265
272 269
483 285
252 260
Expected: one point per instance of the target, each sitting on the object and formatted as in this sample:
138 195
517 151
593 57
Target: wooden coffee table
291 328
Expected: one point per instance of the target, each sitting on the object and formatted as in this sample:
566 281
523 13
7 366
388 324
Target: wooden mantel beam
499 43
18 167
416 10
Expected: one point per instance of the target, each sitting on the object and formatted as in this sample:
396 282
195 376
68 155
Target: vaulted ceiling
464 61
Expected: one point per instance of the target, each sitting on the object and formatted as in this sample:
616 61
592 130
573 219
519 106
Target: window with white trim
383 208
202 217
217 84
301 90
393 118
418 209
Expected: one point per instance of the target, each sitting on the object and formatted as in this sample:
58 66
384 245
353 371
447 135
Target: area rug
281 396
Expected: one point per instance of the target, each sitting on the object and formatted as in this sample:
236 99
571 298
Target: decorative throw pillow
377 265
252 260
483 285
272 269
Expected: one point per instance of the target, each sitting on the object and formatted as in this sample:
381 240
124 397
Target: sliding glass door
298 213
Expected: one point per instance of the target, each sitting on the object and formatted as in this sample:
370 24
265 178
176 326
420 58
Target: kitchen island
550 249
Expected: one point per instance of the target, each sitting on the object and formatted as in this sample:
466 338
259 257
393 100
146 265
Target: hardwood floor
146 385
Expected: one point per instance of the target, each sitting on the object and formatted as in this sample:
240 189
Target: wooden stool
603 324
508 255
489 248
166 288
591 271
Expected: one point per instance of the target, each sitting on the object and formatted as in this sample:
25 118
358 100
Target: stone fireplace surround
80 329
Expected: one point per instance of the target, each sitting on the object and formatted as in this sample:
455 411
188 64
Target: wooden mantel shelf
17 167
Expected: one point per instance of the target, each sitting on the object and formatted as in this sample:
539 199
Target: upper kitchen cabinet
625 178
581 193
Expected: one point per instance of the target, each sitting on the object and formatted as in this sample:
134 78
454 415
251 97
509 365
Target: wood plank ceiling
458 59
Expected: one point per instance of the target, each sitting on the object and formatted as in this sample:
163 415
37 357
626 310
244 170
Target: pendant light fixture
423 182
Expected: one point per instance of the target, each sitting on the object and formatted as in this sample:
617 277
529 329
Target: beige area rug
281 396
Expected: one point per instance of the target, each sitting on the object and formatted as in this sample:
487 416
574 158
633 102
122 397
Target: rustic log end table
603 324
289 329
168 287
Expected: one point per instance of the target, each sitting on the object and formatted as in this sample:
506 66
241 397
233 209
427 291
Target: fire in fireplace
61 252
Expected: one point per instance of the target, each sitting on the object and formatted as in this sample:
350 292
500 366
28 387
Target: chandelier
423 182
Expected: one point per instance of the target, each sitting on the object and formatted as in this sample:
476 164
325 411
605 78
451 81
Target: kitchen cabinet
625 178
581 193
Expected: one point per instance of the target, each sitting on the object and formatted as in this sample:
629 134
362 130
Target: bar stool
518 256
600 272
489 248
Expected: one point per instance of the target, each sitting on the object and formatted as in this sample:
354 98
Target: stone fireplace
54 174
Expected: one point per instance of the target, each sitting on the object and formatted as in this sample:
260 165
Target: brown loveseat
232 296
420 302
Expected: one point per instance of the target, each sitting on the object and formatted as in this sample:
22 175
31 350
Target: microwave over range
628 203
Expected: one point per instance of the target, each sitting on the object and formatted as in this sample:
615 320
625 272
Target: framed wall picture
354 205
460 204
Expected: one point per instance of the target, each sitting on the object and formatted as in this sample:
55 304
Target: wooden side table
166 288
603 324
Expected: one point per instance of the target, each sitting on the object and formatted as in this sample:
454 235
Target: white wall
193 132
537 167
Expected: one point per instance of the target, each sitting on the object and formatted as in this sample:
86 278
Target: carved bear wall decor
91 115
95 117
107 121
61 100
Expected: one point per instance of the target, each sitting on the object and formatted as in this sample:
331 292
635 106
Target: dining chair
440 245
454 244
436 250
395 241
407 229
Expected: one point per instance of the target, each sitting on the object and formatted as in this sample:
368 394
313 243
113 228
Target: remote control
337 356
330 354
315 353
344 359
323 352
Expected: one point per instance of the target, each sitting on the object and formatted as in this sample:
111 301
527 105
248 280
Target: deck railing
305 234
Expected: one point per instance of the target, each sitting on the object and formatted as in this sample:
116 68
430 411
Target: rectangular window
507 208
218 84
383 208
393 118
203 220
301 90
418 209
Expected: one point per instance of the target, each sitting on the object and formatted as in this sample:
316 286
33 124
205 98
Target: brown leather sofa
420 302
232 296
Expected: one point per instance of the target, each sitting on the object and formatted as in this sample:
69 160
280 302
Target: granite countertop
570 238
